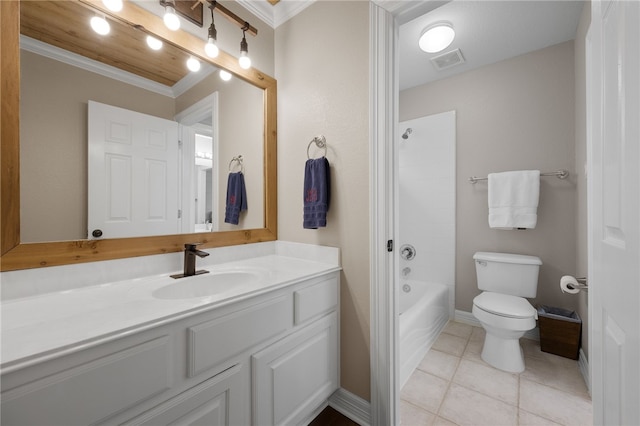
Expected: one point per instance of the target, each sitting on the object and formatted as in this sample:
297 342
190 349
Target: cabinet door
219 401
292 377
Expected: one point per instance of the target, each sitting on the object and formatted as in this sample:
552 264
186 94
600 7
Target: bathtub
424 311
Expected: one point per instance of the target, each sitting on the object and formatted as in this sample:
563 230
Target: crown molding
58 54
52 52
277 14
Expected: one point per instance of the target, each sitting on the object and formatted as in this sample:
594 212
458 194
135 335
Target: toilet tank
513 274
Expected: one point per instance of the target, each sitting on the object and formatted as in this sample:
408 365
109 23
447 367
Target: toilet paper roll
569 284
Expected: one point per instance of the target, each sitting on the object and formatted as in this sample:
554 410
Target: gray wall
512 115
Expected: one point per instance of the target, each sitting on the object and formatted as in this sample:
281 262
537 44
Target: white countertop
49 325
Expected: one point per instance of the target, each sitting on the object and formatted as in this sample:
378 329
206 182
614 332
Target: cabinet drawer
214 342
315 300
90 392
217 401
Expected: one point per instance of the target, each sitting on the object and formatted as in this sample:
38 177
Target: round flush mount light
113 5
100 25
437 37
224 75
154 43
193 64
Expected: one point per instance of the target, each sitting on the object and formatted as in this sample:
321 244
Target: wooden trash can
560 331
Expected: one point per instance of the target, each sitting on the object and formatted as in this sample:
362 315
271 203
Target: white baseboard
352 406
468 318
583 364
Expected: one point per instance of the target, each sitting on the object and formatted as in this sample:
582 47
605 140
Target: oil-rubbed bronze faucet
190 253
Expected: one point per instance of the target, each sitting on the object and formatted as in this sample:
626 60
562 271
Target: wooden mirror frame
16 256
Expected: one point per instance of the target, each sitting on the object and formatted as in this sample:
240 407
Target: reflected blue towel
316 193
236 198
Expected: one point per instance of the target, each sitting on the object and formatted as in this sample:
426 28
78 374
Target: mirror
258 158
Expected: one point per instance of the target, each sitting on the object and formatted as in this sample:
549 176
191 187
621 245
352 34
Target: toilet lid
504 305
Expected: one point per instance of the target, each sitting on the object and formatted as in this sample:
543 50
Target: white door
133 173
614 199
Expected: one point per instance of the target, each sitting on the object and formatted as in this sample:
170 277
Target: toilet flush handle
481 262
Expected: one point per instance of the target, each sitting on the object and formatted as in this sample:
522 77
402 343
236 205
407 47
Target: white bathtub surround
427 199
66 308
424 311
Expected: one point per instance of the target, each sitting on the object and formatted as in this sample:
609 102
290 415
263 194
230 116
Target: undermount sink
214 283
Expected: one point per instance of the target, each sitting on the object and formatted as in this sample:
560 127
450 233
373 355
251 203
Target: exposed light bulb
211 49
225 75
100 25
193 64
437 38
244 60
170 18
154 43
113 5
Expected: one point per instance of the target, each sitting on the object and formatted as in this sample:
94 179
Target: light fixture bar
230 16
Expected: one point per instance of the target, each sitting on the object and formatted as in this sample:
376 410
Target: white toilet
503 311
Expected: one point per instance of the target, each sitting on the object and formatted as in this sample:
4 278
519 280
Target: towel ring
238 160
320 142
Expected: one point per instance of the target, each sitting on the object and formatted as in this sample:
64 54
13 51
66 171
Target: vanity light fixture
244 60
211 48
435 38
225 75
100 25
154 43
193 64
170 18
113 5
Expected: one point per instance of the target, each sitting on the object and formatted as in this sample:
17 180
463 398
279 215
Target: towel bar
238 160
560 174
320 142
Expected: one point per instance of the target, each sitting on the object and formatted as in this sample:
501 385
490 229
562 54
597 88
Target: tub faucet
190 253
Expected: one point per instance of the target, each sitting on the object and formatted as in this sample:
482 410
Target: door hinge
180 143
179 214
389 245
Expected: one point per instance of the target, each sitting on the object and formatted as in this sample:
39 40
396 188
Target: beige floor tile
563 374
478 333
527 419
458 329
488 381
467 407
411 415
424 390
473 350
531 348
450 344
554 404
439 364
439 421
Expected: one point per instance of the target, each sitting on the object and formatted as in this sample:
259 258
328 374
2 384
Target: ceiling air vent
448 60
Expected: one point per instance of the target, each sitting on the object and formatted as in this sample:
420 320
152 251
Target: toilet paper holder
582 284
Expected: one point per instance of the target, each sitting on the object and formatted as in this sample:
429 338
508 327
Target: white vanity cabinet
270 358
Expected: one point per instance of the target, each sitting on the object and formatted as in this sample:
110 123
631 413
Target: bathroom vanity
254 341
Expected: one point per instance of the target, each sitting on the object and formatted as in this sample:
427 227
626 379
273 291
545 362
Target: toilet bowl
504 328
502 310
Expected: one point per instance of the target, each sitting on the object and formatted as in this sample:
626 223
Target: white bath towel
513 199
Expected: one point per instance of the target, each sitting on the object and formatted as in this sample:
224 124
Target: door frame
385 18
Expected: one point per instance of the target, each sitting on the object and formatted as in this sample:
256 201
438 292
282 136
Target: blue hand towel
316 193
236 198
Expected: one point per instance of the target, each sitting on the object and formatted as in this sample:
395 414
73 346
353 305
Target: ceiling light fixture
100 25
225 75
154 43
113 5
437 37
193 64
170 18
211 48
244 60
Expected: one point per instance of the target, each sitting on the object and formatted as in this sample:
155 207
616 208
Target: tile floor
454 386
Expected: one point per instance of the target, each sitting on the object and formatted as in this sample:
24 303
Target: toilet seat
505 305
